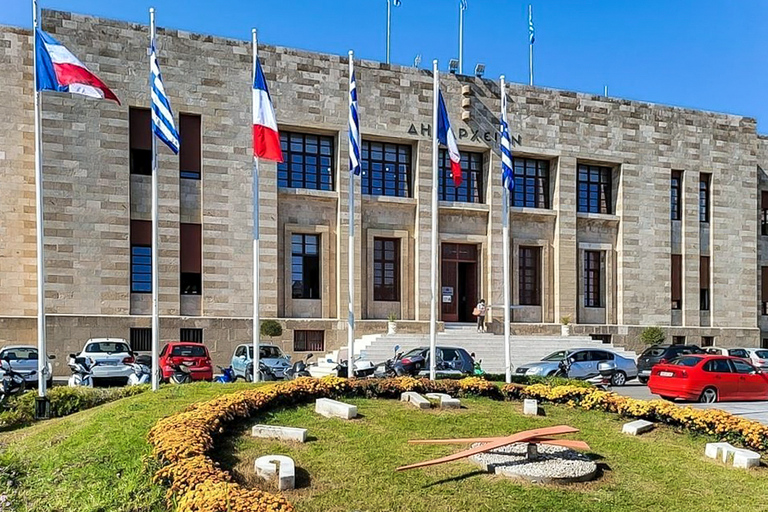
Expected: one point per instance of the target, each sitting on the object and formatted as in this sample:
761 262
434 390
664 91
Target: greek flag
162 116
507 174
354 128
396 2
531 36
463 5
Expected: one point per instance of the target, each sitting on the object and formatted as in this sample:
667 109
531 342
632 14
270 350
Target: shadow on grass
455 478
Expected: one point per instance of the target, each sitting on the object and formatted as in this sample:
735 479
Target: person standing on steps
479 312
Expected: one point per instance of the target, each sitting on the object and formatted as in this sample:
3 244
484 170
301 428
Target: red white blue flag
446 138
59 70
266 139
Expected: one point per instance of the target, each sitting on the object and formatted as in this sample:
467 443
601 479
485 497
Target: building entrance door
459 282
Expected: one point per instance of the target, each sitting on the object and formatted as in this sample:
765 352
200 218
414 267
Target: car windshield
413 353
108 347
762 354
19 354
686 361
556 356
188 351
654 352
268 352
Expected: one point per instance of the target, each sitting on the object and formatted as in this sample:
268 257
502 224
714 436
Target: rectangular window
594 193
191 335
189 152
675 192
529 269
141 339
471 188
305 266
707 341
602 338
308 341
764 213
191 255
141 256
386 169
531 183
764 289
592 294
386 269
677 281
309 161
704 283
140 141
678 340
704 185
764 343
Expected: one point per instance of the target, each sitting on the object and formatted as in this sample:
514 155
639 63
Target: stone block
745 459
531 407
415 399
446 402
333 409
281 433
638 427
713 450
267 467
726 452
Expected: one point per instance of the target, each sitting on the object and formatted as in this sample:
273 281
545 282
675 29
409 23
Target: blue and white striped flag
507 173
162 116
531 35
396 2
354 127
463 5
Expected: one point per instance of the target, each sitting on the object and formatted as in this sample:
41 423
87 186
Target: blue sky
704 54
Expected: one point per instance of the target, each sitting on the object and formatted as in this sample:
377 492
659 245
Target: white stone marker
638 427
530 407
745 459
446 402
712 450
333 409
281 433
266 467
415 399
725 451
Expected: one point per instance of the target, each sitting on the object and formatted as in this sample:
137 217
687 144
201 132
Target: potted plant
565 328
391 325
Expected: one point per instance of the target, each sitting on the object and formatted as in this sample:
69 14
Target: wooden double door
459 282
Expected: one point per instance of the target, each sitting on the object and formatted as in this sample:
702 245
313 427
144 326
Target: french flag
446 138
59 70
266 139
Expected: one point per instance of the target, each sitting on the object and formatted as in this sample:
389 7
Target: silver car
583 365
24 360
113 358
270 355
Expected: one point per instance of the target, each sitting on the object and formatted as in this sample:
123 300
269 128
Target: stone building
625 214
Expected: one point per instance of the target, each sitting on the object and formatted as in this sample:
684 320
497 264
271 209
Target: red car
707 378
195 356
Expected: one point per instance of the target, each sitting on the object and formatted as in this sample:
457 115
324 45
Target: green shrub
653 336
20 410
534 379
271 328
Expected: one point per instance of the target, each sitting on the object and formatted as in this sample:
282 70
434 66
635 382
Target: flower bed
181 442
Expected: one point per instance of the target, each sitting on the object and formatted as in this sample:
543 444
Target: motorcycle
362 369
142 371
387 368
604 378
265 373
12 382
227 375
82 371
299 369
181 374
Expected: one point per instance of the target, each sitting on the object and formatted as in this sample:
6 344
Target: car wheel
708 396
619 378
642 380
249 375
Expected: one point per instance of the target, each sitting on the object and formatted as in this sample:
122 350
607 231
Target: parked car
270 355
759 357
194 356
707 378
583 365
23 359
661 354
733 352
449 360
113 358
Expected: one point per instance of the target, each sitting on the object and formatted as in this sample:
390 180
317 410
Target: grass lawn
349 465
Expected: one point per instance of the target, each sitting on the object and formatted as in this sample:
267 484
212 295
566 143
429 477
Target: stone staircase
488 348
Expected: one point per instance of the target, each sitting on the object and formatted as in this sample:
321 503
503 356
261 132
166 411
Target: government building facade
624 214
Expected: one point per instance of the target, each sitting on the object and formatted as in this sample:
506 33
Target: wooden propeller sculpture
535 436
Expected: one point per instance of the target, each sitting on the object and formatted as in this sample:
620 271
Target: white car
113 358
23 359
759 357
730 351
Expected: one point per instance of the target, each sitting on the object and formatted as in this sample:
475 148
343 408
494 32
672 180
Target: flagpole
530 44
389 25
256 247
461 39
155 252
351 261
433 272
42 359
505 241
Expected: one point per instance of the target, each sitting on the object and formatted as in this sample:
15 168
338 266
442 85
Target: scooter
142 371
265 373
362 369
227 375
12 382
604 378
181 374
387 369
82 371
299 369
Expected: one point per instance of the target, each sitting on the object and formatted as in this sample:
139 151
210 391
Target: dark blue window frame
141 269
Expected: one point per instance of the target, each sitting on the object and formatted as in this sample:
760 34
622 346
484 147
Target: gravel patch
554 464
